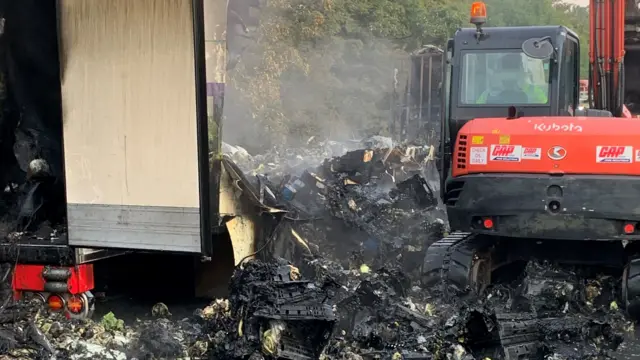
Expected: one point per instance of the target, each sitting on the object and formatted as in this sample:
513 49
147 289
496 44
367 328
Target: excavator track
631 287
459 262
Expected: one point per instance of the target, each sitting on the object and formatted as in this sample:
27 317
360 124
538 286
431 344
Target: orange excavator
525 172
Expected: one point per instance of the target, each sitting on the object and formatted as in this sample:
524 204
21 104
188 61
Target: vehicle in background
584 93
416 115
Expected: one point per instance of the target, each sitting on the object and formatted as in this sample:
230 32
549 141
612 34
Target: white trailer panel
130 124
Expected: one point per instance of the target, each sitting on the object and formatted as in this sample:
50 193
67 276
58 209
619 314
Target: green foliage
577 19
323 67
111 323
543 12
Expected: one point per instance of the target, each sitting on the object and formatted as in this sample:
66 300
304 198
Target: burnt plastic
518 336
298 312
291 349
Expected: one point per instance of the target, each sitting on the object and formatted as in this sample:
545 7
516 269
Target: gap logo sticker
531 153
614 154
510 153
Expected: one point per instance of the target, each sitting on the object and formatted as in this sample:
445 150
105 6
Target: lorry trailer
118 143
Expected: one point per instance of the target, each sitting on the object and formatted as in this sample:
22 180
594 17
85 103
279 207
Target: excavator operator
512 86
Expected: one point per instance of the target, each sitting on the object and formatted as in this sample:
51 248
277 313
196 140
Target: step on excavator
526 173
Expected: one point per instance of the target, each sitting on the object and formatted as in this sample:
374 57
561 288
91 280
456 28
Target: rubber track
633 289
448 263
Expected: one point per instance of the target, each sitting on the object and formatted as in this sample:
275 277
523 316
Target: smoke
282 91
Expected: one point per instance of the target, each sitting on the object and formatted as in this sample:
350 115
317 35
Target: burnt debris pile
365 218
274 312
353 232
19 333
366 207
387 316
278 314
556 312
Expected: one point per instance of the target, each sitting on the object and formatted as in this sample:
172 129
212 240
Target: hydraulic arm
606 56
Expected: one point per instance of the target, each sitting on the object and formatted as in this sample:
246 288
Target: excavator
537 177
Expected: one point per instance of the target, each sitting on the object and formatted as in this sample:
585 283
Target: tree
321 67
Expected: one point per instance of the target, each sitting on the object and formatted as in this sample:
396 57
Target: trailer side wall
130 124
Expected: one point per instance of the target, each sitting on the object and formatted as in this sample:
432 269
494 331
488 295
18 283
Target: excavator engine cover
550 178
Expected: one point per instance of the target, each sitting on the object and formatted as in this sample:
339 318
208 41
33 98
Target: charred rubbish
370 213
356 227
365 207
272 312
548 312
361 301
278 313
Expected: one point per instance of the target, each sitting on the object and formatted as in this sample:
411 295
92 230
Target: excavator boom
612 24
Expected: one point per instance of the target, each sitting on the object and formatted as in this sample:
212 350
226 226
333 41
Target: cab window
503 78
569 84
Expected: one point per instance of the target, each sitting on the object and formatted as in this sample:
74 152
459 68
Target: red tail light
55 303
629 228
75 304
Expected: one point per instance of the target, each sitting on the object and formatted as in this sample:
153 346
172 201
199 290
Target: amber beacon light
478 13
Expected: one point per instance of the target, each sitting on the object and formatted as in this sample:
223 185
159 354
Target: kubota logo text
558 128
506 152
614 154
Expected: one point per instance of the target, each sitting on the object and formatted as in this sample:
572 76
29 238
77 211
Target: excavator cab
506 71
